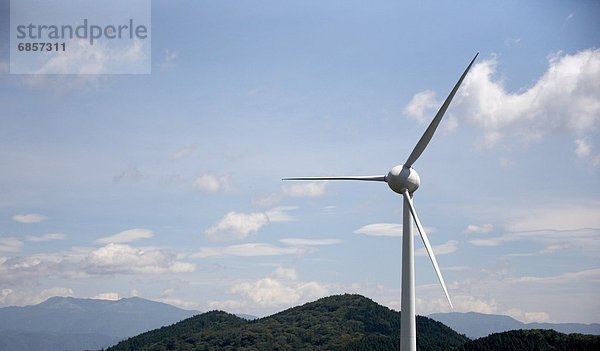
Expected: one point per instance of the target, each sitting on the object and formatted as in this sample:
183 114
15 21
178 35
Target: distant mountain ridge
67 323
476 325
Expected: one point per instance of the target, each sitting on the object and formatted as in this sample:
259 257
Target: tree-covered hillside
534 340
345 322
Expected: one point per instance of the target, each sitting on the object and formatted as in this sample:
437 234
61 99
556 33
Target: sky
167 185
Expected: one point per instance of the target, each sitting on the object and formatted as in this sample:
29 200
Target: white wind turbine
403 179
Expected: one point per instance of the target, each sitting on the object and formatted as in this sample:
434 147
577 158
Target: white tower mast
403 179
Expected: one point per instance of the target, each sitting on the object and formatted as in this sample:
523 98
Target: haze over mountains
476 325
66 323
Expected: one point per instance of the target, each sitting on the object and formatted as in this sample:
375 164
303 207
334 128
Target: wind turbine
403 179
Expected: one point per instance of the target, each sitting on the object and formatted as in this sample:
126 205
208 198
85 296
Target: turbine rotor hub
402 177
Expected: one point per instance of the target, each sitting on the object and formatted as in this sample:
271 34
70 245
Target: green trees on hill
534 340
345 322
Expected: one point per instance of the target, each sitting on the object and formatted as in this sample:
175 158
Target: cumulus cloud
565 99
10 245
107 260
282 288
422 105
238 226
235 225
118 258
46 237
211 183
126 236
29 218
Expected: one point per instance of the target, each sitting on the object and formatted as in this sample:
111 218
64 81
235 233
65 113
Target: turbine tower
403 179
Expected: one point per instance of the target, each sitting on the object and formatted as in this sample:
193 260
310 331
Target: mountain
66 323
476 325
343 322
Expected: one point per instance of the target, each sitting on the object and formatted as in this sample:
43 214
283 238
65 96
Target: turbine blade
427 244
426 138
366 178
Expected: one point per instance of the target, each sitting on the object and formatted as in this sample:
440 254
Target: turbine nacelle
403 177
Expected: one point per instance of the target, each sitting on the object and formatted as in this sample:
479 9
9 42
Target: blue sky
167 186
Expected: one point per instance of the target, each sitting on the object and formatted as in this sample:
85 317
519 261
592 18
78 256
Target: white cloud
248 250
553 226
584 151
309 242
82 263
528 317
119 258
4 294
29 218
85 59
303 189
280 289
238 226
479 229
279 214
422 105
564 99
461 303
126 236
10 245
570 217
51 292
211 183
46 237
565 278
111 296
438 250
380 229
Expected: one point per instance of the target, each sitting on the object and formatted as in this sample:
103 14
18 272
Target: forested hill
534 340
345 322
